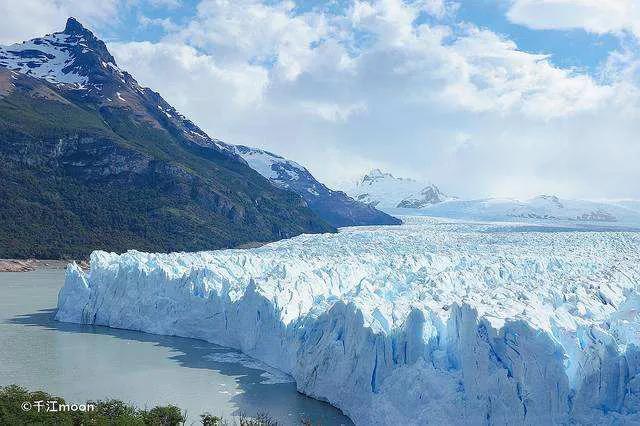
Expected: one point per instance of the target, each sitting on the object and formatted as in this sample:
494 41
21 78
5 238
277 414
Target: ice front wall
424 323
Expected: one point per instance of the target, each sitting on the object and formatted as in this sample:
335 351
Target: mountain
333 206
402 196
383 190
543 208
92 160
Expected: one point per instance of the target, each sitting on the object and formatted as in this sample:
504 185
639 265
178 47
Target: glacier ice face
425 323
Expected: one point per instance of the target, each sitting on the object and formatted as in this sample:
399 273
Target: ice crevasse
424 323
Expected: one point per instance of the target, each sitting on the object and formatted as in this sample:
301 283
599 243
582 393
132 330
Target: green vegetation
77 178
19 407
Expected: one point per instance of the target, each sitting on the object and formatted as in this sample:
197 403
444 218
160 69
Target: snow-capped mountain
335 206
402 196
540 208
78 63
383 190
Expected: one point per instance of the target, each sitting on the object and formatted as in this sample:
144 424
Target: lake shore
25 265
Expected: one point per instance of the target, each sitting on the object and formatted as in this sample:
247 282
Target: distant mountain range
92 160
402 196
546 208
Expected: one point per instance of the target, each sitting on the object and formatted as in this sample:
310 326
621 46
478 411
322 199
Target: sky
510 98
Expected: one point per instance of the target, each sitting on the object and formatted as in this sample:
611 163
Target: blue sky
482 97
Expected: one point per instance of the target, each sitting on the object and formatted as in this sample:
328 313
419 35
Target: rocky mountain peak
91 44
74 27
375 174
551 199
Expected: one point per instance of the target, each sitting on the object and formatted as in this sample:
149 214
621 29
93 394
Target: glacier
429 322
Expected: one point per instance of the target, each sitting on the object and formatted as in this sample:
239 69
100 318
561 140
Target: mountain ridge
97 162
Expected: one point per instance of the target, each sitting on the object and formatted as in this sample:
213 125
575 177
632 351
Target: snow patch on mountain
274 167
46 58
59 58
429 322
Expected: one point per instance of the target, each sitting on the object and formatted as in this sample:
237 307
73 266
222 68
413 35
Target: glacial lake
83 362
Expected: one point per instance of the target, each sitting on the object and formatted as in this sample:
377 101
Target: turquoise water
82 362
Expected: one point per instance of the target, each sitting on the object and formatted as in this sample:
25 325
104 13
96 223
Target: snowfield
425 323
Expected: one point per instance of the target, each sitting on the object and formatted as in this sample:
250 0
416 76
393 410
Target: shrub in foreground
18 407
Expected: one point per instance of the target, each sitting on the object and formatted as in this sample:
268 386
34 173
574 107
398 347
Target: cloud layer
25 19
596 16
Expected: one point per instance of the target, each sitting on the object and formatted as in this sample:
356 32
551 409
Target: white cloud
478 70
165 23
595 16
495 75
334 112
439 8
190 79
171 4
25 19
251 31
